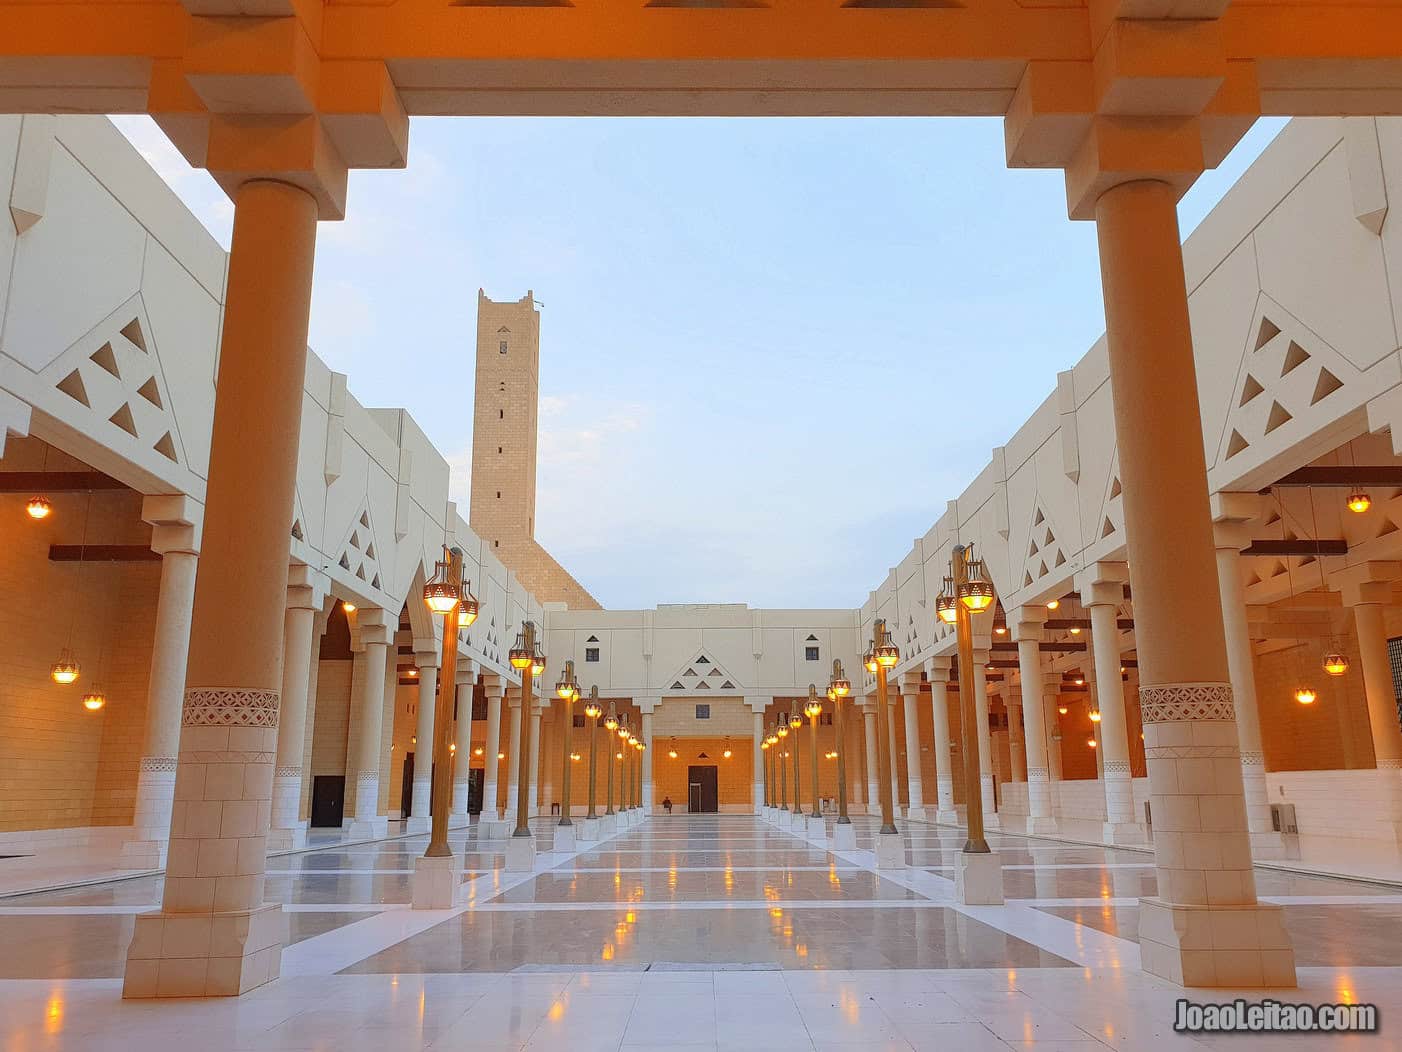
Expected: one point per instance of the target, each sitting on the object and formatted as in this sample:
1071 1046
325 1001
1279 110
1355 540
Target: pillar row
937 670
459 816
910 702
493 687
422 790
1102 595
1027 631
304 600
869 740
985 742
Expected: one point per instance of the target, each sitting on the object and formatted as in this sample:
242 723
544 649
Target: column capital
1102 583
1365 583
1231 536
1027 626
910 682
493 684
370 626
466 674
1236 508
937 669
757 703
307 588
425 659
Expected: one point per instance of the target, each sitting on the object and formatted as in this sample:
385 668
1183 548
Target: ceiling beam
32 482
1343 477
102 553
1301 546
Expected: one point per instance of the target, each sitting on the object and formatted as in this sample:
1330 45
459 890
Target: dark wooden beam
32 482
102 553
1301 546
1053 647
1344 478
1064 624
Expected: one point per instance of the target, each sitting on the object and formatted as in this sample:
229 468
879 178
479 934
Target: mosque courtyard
696 931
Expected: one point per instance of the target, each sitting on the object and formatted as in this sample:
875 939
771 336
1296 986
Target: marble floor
719 932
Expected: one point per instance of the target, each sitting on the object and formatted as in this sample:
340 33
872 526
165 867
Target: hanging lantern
592 708
520 657
1095 716
39 507
976 593
840 684
537 664
1052 604
452 746
1306 695
348 607
1062 709
468 607
946 607
1335 663
888 654
783 729
65 669
772 739
440 595
814 707
869 661
94 699
611 720
478 751
795 720
1358 502
1090 742
726 750
672 749
1075 630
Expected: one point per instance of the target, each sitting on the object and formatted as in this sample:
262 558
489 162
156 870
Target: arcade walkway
707 932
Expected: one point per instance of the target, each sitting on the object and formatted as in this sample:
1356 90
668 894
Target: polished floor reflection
719 932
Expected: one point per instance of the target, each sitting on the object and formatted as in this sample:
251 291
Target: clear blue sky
750 327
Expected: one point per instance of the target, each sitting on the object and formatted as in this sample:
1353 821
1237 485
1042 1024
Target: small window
501 347
501 414
825 719
810 653
579 719
591 653
703 712
496 544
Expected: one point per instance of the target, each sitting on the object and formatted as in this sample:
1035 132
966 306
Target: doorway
703 796
328 800
406 787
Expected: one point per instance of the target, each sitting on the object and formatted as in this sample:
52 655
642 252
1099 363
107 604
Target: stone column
213 935
1026 629
537 775
1367 600
492 824
372 631
460 817
1017 755
1241 666
513 751
427 663
991 818
304 601
759 761
1205 926
869 736
910 699
1051 691
178 546
891 746
937 671
1102 591
646 799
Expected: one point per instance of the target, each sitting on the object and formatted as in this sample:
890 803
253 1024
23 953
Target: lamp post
764 755
782 731
879 660
795 722
814 709
641 747
610 825
771 739
527 659
844 834
567 690
436 879
592 711
625 785
968 592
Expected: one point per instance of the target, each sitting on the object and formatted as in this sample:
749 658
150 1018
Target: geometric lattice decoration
360 554
1286 371
1186 702
702 675
114 372
230 707
1044 551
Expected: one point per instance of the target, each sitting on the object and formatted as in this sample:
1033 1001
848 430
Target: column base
293 838
916 814
844 837
797 821
608 826
1042 824
946 818
1215 946
417 824
437 882
144 854
376 828
493 829
520 854
586 830
1124 833
564 838
978 878
816 828
890 851
204 954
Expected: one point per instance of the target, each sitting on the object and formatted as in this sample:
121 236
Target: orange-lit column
869 742
1205 926
1026 628
460 816
304 598
1368 600
213 934
915 790
490 823
985 742
937 671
